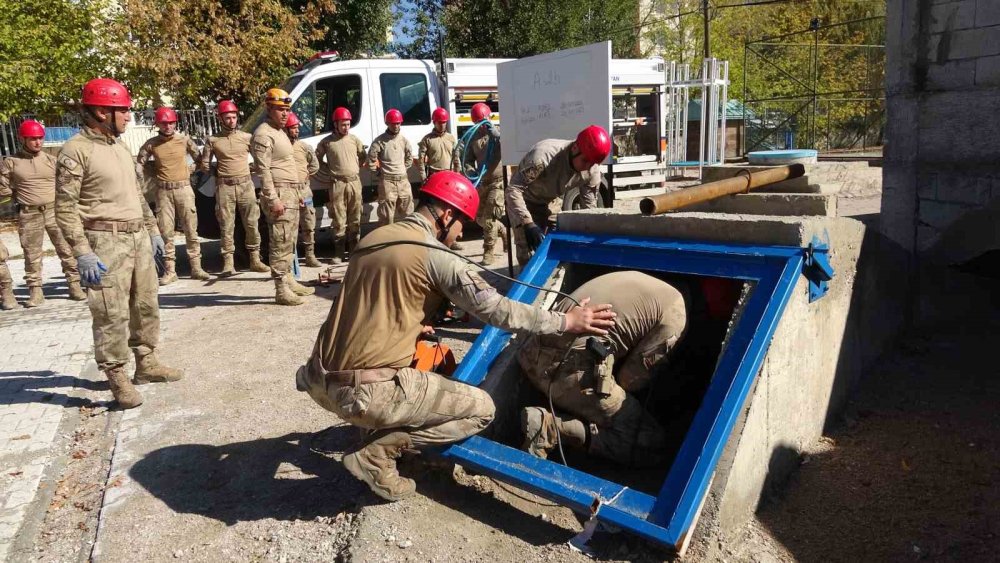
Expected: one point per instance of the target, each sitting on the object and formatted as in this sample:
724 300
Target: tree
49 48
355 27
201 50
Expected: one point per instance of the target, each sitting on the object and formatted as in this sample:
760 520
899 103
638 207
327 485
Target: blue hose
463 147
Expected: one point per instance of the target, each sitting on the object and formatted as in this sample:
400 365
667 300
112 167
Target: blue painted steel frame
668 517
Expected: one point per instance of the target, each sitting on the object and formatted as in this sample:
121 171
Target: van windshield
257 117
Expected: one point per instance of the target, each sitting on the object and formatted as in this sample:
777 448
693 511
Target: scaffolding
711 86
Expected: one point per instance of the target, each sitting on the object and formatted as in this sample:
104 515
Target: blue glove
533 236
91 268
158 249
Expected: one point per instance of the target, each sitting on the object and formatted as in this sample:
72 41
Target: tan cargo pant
395 199
32 224
620 428
307 217
4 270
491 211
345 205
282 230
544 215
232 201
125 310
171 205
432 409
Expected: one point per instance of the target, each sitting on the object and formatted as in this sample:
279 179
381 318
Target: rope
462 150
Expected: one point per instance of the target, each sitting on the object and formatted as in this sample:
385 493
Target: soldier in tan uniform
280 181
102 213
343 154
30 176
234 195
434 151
359 365
613 424
307 166
549 171
174 195
7 300
391 155
491 207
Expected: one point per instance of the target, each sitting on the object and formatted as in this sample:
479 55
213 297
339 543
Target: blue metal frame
668 517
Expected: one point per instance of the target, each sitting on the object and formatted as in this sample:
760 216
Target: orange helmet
454 189
278 98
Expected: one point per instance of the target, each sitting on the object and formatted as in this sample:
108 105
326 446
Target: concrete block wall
942 159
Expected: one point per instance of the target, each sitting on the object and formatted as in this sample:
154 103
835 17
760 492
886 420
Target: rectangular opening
723 357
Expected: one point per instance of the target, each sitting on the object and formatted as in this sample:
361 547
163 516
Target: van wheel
572 200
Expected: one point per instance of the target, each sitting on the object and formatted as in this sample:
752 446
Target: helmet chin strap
113 129
444 229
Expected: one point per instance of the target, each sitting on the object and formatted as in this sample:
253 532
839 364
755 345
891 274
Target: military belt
361 376
23 207
340 178
287 185
234 181
114 226
394 177
174 185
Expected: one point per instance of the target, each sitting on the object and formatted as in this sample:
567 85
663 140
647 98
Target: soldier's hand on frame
91 268
278 208
590 319
158 247
533 235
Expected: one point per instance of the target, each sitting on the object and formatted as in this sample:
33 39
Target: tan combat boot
169 273
197 272
35 296
542 432
76 293
311 260
296 287
283 295
375 464
126 395
255 264
228 269
148 369
488 257
7 300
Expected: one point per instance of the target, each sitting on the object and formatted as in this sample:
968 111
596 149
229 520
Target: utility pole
704 9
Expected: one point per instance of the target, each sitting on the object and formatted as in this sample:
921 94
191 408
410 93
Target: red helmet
106 92
165 115
293 120
440 115
594 143
480 112
342 114
31 128
227 106
454 189
393 116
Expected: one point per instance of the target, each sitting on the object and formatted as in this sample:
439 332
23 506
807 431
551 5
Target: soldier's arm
373 153
6 169
467 289
456 163
312 163
193 152
361 152
526 173
205 164
321 153
591 191
407 153
421 151
147 214
69 182
262 148
145 153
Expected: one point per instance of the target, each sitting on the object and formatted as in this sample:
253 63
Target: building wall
942 160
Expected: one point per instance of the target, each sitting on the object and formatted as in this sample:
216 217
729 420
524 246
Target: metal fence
820 88
198 123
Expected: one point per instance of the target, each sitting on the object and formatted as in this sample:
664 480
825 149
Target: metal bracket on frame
817 269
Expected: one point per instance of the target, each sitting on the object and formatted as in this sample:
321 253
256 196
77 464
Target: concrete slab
771 204
815 358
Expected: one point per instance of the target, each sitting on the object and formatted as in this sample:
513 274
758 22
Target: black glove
533 236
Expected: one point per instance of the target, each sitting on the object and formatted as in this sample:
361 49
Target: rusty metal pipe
742 183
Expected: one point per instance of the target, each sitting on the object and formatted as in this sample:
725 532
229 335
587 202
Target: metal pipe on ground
742 183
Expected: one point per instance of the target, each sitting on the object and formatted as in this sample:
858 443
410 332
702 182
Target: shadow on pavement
284 478
190 300
19 387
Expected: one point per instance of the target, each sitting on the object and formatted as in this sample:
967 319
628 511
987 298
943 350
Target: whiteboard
553 96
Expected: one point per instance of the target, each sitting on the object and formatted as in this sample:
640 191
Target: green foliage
48 49
354 27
